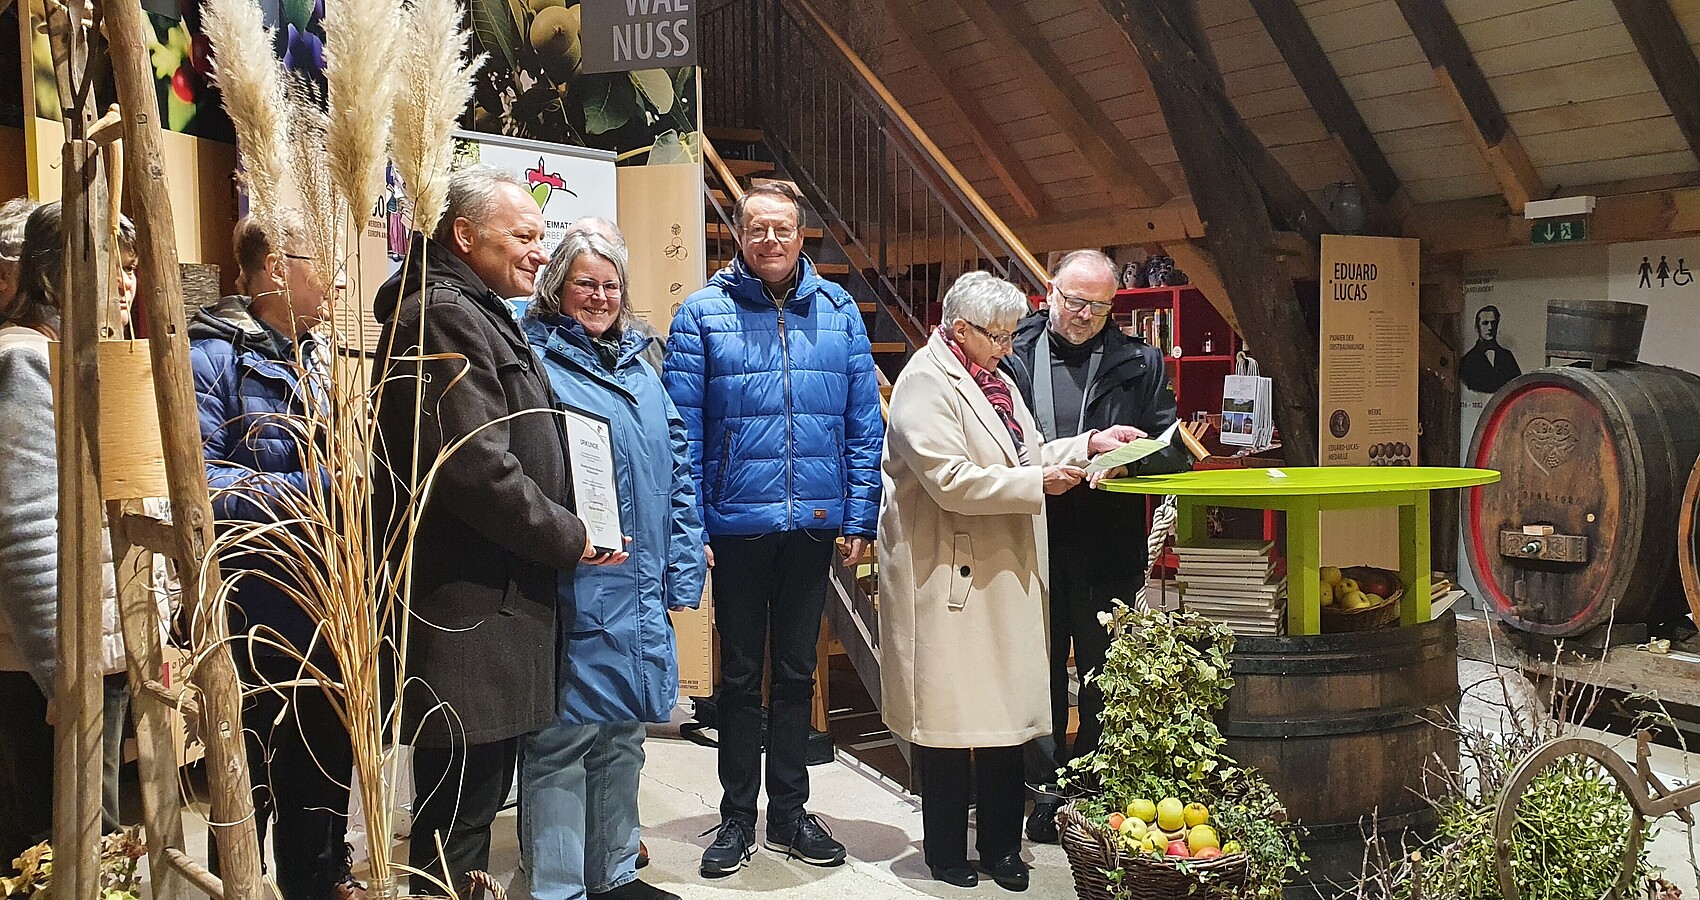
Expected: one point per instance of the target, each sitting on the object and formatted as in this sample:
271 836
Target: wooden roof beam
1666 51
1483 223
1230 193
1464 85
1327 95
1018 43
1002 159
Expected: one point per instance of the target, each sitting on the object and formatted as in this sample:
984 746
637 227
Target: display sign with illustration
625 35
535 85
1488 364
665 235
1367 382
566 182
181 57
1368 378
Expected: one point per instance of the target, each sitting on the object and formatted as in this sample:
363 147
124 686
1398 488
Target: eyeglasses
609 289
781 233
1076 304
298 257
1007 339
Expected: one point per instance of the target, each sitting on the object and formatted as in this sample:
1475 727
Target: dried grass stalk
432 64
360 44
250 75
323 207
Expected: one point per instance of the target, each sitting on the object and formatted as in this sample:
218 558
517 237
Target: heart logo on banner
1549 442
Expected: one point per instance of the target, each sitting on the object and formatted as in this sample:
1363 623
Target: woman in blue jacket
619 669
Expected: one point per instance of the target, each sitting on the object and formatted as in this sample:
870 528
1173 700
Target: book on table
1234 582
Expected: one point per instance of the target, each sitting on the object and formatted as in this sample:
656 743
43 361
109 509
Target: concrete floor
881 825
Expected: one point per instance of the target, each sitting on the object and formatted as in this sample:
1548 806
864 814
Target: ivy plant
1164 680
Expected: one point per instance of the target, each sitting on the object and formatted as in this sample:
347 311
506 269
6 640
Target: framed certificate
590 461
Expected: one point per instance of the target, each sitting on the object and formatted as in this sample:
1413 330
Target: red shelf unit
1196 374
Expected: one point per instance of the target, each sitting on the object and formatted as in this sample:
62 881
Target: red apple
1178 848
1116 821
1207 853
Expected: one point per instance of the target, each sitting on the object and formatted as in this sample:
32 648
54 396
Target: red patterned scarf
996 391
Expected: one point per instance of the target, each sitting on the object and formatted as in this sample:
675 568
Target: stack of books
1235 582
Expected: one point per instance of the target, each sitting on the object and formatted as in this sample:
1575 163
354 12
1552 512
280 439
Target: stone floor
881 824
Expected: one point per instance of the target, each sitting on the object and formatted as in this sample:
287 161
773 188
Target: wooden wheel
1505 816
1688 542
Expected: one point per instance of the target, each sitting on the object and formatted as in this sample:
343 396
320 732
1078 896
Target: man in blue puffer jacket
771 370
248 354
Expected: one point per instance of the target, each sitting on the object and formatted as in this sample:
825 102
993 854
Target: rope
1162 528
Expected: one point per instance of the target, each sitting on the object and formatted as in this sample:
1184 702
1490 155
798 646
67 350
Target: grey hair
1089 256
547 300
980 298
599 226
13 214
472 195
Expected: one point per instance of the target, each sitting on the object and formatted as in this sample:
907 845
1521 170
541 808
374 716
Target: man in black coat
1077 372
496 532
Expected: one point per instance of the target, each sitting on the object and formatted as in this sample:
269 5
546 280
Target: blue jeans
579 793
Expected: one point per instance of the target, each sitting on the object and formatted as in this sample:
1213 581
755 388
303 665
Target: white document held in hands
1133 451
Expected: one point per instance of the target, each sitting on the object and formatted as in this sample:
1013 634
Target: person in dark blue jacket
771 370
619 665
250 354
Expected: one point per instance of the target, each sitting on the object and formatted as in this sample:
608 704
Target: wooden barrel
1607 330
1343 727
1600 458
1688 542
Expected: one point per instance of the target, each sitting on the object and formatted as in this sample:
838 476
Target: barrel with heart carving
1688 542
1582 526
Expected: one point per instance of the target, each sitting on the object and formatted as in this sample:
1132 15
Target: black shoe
808 840
1009 872
962 876
636 889
643 855
734 844
1042 824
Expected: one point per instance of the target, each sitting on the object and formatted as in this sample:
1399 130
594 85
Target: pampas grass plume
360 71
250 76
324 211
439 83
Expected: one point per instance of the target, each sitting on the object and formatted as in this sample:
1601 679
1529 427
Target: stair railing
722 243
899 207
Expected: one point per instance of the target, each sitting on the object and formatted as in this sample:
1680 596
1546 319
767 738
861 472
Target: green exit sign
1558 231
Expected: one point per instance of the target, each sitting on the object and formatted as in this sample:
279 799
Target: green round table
1303 493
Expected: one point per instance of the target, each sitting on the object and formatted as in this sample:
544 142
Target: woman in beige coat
962 577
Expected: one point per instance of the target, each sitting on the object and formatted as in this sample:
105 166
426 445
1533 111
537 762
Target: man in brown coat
497 531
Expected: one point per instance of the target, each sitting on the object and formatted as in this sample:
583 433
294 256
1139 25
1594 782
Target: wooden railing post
156 755
191 511
77 702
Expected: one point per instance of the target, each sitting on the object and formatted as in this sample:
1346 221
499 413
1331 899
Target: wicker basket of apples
1164 850
1359 598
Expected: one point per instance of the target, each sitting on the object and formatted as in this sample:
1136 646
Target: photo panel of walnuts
533 86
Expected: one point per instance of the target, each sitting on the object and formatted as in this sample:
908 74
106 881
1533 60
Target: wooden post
81 283
156 753
1231 202
215 674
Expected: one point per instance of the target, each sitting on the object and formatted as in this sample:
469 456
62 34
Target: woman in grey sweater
29 555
